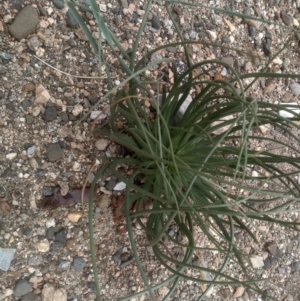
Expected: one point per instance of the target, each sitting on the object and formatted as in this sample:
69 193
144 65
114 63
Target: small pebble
6 256
29 119
257 261
71 21
109 185
41 95
295 89
31 150
25 23
155 22
120 186
74 217
54 152
287 114
6 56
50 222
26 104
70 242
43 246
104 201
95 114
286 18
50 233
61 236
124 3
58 3
11 156
50 113
64 264
79 264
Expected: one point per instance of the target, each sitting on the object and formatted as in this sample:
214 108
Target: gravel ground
38 152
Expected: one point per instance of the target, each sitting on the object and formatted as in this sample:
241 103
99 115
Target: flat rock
6 256
22 288
25 23
41 94
54 152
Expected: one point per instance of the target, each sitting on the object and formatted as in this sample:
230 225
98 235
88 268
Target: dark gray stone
56 246
72 117
267 47
58 3
35 260
17 4
26 104
295 266
50 233
64 117
71 21
43 11
252 31
31 297
126 263
29 119
61 236
79 264
70 101
155 22
25 23
6 56
286 18
54 152
22 288
110 184
50 113
47 190
27 232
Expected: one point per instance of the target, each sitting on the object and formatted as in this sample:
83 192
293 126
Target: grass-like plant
195 165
